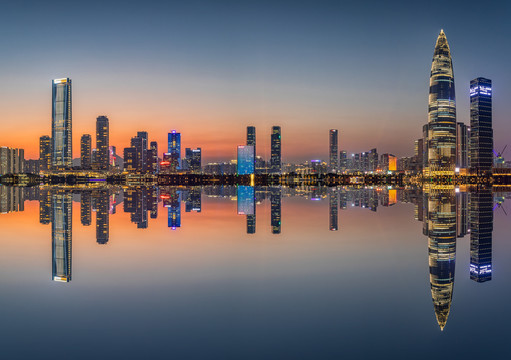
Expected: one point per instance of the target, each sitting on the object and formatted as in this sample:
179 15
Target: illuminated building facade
440 227
143 163
481 229
102 144
251 139
45 206
481 131
44 153
153 155
246 200
462 140
343 161
130 159
85 152
174 150
85 207
334 151
246 165
61 230
276 150
441 129
61 125
11 160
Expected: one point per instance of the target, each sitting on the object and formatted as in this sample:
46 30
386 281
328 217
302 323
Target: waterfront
205 288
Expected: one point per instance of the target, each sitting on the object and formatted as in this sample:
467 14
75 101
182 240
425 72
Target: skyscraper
85 152
61 125
246 164
441 129
334 151
251 139
102 144
334 209
85 207
45 153
276 143
276 210
461 146
152 156
481 131
174 150
145 142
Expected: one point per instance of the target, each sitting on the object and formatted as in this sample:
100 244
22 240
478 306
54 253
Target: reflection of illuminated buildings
334 210
85 207
44 206
440 227
389 197
481 228
102 198
246 206
12 199
172 201
193 201
134 203
462 212
276 200
61 230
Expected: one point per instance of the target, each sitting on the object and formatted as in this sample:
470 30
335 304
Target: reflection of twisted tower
440 227
61 229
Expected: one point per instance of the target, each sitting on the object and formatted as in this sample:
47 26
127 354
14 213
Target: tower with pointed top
440 132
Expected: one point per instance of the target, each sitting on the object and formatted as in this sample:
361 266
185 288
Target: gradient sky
209 69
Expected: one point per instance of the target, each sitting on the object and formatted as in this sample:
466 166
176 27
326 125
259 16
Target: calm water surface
253 273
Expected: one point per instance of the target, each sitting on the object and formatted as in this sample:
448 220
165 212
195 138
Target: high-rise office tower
138 144
276 150
152 156
246 165
61 125
481 229
334 151
145 142
21 161
462 142
102 144
441 129
45 153
251 139
343 161
372 156
130 159
419 155
174 150
85 152
481 131
61 235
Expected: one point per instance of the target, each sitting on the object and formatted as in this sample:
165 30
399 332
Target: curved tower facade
440 139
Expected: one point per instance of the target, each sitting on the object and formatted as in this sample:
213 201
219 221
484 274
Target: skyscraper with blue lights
481 131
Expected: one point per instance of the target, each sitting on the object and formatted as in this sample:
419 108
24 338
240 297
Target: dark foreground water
244 273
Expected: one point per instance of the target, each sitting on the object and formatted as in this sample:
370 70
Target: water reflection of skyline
447 213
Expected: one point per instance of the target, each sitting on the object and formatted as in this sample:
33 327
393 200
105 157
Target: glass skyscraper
61 125
441 128
174 150
85 152
276 153
102 144
481 131
251 139
44 153
462 141
246 165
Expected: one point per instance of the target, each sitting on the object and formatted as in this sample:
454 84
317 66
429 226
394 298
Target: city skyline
298 100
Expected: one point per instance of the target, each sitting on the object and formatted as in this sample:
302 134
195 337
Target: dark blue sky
203 66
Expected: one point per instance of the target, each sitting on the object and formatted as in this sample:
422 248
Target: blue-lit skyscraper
246 163
172 201
246 200
481 131
174 150
61 125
